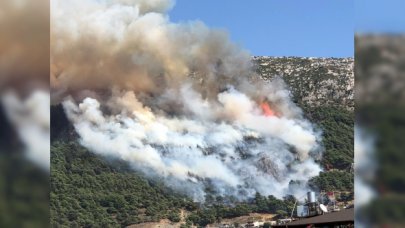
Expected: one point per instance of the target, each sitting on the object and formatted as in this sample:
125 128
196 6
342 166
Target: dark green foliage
273 205
24 187
266 225
174 216
345 196
333 181
60 126
24 192
384 210
88 191
337 125
185 225
388 120
203 217
260 204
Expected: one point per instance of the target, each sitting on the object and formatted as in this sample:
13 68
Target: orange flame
266 109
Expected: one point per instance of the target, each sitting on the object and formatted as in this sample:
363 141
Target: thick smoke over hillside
177 101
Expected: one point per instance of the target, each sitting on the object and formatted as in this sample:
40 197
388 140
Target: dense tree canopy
89 191
333 181
337 126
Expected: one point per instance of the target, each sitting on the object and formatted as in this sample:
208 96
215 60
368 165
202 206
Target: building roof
346 215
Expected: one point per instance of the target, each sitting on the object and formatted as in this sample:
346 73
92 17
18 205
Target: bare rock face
380 71
313 81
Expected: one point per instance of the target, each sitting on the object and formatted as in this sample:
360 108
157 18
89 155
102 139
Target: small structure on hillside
311 208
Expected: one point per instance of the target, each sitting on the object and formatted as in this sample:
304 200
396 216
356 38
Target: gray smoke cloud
24 45
133 45
177 101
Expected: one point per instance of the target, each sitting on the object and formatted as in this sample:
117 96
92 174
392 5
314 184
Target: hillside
380 107
89 191
313 81
324 89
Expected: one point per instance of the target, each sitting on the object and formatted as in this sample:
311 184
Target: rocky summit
313 81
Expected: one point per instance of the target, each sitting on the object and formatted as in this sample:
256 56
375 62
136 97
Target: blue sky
380 16
321 28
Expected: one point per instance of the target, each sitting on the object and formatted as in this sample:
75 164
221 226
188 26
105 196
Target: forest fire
267 111
142 106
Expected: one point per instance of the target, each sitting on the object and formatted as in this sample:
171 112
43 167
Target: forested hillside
89 191
324 89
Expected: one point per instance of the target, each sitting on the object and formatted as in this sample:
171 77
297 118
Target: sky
309 28
380 16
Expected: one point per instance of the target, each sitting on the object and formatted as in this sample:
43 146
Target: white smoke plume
177 101
365 166
24 75
31 119
230 146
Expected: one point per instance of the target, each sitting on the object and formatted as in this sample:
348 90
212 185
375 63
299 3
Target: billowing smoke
24 76
30 117
132 44
179 102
